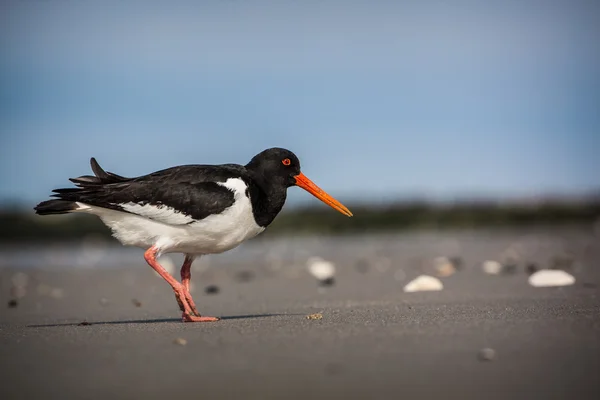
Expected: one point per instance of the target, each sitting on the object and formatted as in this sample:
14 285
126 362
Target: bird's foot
197 318
184 297
190 301
179 302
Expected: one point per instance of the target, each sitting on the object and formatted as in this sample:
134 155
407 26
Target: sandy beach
115 333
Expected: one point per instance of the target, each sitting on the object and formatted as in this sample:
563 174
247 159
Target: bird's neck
267 200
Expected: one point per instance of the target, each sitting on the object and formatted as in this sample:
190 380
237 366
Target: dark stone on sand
457 262
531 268
211 289
13 303
84 323
136 302
486 354
509 268
244 276
328 282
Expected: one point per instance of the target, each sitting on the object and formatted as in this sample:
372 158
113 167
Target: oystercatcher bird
190 209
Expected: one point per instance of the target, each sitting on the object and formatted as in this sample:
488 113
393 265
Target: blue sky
379 99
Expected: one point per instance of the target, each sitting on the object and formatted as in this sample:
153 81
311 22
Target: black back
192 190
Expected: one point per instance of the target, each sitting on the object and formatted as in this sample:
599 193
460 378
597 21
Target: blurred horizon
381 101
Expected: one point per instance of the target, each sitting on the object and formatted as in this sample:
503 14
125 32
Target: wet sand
373 342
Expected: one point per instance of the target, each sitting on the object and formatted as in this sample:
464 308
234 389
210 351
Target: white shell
423 283
551 278
492 267
320 268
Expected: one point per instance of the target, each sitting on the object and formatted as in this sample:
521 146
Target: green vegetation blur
18 225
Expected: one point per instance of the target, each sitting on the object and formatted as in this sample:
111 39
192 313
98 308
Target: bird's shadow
156 321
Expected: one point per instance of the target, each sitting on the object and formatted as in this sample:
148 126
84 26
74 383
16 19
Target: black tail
87 184
55 207
102 177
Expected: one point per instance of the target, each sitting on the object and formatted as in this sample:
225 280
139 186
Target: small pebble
457 262
136 302
13 303
84 323
180 341
104 301
492 267
244 276
486 354
443 267
211 289
531 268
328 282
315 316
509 268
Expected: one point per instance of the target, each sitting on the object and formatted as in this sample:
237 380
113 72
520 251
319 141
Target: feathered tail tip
55 207
86 184
101 177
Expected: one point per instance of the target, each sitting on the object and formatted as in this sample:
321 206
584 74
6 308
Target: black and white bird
190 209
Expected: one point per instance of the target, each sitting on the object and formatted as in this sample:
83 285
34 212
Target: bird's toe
194 318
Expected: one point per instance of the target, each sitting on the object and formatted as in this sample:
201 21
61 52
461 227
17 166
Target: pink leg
188 314
186 275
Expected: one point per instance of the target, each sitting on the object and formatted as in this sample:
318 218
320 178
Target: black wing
173 196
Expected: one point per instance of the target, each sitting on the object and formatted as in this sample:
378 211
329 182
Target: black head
280 168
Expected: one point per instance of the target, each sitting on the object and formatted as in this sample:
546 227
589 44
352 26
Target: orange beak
306 184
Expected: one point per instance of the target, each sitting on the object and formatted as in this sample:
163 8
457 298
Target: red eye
286 161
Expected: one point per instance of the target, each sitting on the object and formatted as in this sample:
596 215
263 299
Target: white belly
214 234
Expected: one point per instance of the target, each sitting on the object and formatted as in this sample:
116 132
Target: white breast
234 225
172 231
